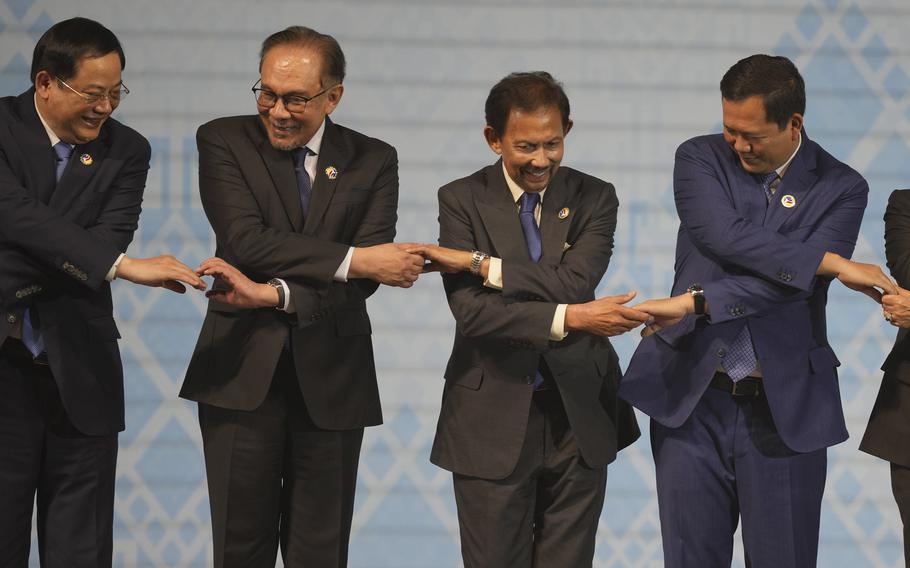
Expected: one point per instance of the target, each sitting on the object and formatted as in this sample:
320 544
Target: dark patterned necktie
31 325
527 204
304 185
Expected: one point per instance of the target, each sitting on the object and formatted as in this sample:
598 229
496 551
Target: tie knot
528 202
63 151
767 179
300 155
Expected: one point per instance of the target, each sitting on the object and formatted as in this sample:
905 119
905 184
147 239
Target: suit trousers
900 486
725 462
275 478
545 513
43 454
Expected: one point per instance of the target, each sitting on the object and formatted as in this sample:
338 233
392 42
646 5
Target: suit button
11 318
529 380
721 352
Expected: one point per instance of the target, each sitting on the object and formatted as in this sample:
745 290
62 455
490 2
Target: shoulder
705 146
464 188
831 169
227 126
900 198
123 139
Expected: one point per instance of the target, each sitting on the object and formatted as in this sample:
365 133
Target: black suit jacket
249 193
501 336
889 425
57 243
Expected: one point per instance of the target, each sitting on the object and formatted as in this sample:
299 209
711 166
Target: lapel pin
788 201
563 213
331 172
86 159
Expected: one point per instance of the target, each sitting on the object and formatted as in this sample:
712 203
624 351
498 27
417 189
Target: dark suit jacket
249 193
501 336
889 425
57 243
756 262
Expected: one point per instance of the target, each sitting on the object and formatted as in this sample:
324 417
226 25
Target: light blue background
642 77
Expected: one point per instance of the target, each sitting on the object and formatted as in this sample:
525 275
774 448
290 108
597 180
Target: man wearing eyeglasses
304 213
71 184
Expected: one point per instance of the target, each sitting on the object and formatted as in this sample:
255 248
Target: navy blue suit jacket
757 264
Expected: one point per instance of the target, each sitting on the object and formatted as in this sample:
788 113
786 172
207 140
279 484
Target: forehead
745 114
290 67
540 124
101 71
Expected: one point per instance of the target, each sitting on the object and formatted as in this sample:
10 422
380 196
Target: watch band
477 258
277 285
698 296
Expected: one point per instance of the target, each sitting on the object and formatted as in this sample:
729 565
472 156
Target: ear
43 82
568 128
796 125
492 139
333 97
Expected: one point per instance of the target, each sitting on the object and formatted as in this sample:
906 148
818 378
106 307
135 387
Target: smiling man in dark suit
530 417
71 184
739 378
304 213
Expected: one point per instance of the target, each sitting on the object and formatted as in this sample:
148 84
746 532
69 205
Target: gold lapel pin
563 213
331 172
86 159
788 201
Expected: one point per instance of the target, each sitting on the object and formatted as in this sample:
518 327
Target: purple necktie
527 204
304 185
31 325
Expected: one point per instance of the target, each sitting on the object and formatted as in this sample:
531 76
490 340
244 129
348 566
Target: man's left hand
443 259
234 288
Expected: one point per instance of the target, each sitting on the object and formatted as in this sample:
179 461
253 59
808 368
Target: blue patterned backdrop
642 77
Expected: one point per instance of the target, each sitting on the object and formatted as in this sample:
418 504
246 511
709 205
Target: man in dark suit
739 378
71 183
530 417
889 425
304 213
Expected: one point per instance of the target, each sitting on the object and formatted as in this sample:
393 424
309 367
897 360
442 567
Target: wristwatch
698 295
477 258
276 284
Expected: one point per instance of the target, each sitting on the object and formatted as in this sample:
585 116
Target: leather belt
743 387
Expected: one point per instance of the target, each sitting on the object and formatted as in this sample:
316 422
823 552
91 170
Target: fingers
621 298
633 314
174 286
872 293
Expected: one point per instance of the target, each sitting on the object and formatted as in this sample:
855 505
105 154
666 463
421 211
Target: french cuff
112 273
341 275
494 276
558 327
288 305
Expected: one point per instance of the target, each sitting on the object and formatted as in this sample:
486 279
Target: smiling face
531 146
762 146
67 113
291 70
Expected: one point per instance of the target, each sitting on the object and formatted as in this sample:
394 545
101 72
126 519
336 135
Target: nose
104 106
741 146
279 111
540 159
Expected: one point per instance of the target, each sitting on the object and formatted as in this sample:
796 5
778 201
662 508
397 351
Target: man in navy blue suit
736 371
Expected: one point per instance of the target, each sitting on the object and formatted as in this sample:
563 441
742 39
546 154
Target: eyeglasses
114 96
294 103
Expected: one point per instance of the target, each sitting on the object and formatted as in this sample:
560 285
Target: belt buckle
41 359
740 390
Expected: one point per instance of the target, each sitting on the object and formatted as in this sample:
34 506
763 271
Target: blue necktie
31 325
527 204
304 185
740 360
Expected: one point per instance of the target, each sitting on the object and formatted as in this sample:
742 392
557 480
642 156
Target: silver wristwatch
476 260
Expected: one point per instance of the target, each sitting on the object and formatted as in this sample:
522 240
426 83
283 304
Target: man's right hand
159 271
389 264
859 276
605 316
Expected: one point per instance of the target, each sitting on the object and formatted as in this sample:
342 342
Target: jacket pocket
352 322
470 378
104 328
822 359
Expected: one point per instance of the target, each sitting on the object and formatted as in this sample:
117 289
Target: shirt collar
783 169
50 133
515 189
315 143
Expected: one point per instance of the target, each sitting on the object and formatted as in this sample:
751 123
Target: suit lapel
330 167
796 183
500 215
83 163
281 169
36 147
553 229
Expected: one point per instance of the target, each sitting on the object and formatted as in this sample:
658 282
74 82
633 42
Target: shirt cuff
558 327
494 274
287 297
112 273
341 275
